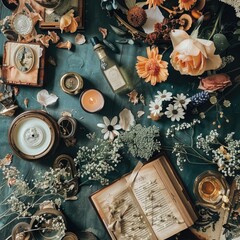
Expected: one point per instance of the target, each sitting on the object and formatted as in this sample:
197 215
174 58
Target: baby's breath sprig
209 149
141 141
24 197
97 161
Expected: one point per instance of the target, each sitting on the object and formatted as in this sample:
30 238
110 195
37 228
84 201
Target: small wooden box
51 20
14 71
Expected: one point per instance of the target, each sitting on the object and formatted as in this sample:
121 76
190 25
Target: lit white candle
92 100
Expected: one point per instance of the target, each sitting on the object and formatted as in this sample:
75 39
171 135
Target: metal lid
33 134
71 83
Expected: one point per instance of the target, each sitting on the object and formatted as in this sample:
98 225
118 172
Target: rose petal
177 36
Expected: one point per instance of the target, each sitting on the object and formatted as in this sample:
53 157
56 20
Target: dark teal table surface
81 59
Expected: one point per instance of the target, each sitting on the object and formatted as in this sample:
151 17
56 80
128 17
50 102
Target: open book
150 203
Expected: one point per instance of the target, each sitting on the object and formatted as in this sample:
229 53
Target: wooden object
52 22
150 203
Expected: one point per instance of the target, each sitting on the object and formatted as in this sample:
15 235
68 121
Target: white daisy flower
174 112
163 96
155 107
109 128
181 101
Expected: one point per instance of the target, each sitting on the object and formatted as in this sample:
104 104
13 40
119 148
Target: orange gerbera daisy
186 4
153 68
154 3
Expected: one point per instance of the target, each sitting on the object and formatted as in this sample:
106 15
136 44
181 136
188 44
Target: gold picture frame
51 19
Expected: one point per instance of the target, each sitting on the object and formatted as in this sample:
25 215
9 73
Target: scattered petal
45 40
52 61
45 99
6 161
142 99
103 31
72 27
54 37
66 20
133 97
80 39
126 119
26 101
15 90
140 113
66 45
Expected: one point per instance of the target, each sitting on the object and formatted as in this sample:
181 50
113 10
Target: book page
121 215
157 203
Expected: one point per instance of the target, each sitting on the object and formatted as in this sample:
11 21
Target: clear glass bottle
110 69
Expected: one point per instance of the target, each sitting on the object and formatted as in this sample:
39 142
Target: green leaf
130 3
237 31
221 42
238 23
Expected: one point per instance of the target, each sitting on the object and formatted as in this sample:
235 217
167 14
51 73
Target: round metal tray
33 134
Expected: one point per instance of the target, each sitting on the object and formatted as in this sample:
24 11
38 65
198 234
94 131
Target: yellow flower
186 4
154 3
153 68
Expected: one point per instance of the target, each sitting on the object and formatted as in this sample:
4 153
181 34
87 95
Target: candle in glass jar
92 100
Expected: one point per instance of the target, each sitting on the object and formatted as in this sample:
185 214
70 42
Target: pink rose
215 82
192 56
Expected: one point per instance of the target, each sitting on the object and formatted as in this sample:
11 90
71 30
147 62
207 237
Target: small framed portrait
23 63
24 59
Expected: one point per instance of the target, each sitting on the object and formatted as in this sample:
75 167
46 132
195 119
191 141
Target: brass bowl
71 83
48 214
33 135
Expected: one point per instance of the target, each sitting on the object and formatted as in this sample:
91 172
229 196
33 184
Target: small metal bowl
71 83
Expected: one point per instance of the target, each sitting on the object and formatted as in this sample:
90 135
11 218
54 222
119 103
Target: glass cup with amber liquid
209 188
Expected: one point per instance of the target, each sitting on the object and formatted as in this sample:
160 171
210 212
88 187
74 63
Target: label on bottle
114 77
